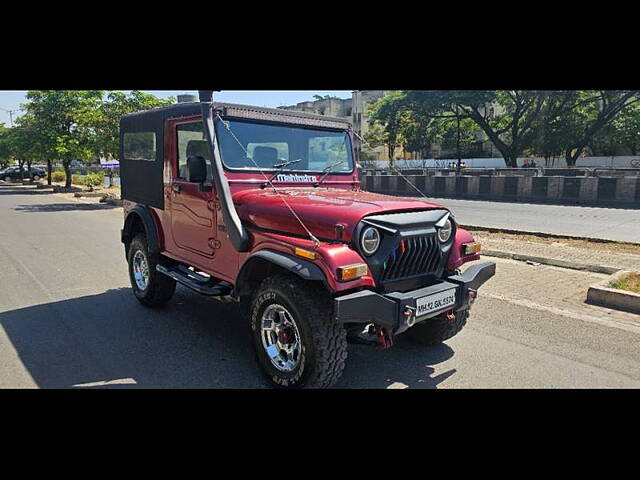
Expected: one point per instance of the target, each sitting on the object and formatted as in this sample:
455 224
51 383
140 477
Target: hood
320 209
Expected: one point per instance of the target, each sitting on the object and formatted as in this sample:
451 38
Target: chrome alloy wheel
281 338
141 270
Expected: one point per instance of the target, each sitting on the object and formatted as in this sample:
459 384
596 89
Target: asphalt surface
617 224
69 319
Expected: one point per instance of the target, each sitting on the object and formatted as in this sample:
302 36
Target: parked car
13 173
264 207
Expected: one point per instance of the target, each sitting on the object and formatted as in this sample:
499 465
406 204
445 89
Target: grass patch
630 283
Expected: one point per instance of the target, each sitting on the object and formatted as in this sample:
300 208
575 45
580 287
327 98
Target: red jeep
264 207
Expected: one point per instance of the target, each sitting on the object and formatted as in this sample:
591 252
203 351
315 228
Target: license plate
435 302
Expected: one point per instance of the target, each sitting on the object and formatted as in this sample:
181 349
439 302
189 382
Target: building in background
356 109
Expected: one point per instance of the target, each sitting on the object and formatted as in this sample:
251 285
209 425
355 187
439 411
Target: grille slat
421 255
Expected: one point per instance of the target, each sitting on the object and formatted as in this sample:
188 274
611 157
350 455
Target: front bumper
387 310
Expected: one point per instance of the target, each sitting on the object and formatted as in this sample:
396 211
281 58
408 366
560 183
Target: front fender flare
298 266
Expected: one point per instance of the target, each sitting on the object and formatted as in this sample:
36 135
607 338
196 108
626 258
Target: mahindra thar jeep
264 207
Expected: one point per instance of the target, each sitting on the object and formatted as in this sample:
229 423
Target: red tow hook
384 339
451 316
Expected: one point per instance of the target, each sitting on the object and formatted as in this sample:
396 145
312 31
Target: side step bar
190 279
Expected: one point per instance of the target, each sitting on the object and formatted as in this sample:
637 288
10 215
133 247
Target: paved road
68 318
603 223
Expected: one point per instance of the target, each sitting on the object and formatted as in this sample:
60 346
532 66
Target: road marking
121 381
627 325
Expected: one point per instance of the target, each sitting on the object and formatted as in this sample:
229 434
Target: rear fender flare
145 216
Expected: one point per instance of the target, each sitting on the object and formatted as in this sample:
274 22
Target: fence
597 191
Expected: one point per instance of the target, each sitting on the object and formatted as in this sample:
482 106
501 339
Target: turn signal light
352 272
471 248
305 254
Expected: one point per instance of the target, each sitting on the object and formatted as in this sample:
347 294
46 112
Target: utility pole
459 169
11 112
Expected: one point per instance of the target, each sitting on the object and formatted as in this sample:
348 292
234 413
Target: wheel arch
140 219
266 263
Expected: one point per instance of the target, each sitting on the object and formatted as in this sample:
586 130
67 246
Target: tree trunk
511 160
49 172
67 172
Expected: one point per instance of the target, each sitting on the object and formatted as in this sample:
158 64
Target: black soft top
143 181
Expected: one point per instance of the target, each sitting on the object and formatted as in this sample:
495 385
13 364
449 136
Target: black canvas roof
143 181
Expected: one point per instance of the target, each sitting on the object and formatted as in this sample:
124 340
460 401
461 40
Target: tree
622 131
389 114
326 97
5 154
507 117
592 113
104 122
60 117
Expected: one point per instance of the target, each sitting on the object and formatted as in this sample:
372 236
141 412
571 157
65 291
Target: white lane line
121 381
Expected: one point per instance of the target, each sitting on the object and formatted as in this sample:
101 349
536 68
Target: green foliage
550 123
388 117
93 180
58 176
105 120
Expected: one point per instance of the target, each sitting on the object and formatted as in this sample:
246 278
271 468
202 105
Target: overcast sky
11 99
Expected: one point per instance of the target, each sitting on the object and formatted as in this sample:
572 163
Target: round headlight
370 241
444 233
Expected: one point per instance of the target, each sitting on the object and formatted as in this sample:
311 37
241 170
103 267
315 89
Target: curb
605 296
552 262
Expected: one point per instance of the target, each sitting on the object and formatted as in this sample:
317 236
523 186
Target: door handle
177 188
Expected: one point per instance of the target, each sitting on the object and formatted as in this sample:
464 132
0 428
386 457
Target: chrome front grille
414 256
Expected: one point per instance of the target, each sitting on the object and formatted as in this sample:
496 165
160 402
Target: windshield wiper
280 167
327 171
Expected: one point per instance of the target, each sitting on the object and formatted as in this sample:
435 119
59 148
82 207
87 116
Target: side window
140 146
192 142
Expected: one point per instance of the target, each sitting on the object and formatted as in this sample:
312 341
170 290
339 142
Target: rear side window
140 146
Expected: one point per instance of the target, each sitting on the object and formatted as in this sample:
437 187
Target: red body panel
319 208
191 230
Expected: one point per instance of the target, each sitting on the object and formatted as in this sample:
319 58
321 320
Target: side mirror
196 170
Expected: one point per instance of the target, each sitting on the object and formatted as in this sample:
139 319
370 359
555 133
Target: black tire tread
329 337
161 288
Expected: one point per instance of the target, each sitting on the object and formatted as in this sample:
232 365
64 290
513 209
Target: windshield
269 146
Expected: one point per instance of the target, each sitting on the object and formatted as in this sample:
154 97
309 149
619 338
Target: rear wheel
439 329
151 288
297 342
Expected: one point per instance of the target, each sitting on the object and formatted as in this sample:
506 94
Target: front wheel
298 344
151 288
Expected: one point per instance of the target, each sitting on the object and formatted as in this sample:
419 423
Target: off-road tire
324 342
437 330
160 288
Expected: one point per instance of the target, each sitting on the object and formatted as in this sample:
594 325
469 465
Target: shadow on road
65 207
110 340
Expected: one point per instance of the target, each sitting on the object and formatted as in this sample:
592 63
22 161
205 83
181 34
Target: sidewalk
616 256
